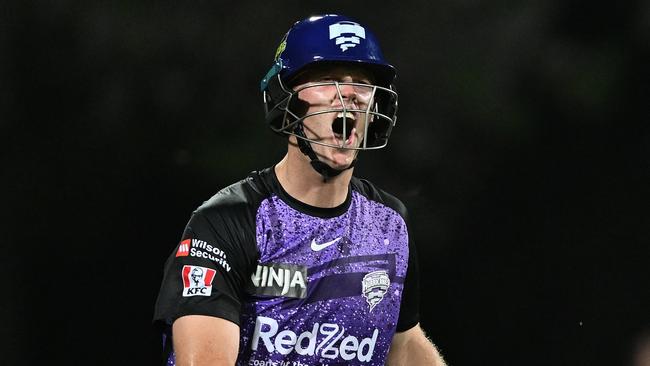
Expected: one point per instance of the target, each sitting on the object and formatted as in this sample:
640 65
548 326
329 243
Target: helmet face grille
377 114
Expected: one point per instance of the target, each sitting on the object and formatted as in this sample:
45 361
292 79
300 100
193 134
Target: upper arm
412 347
202 287
205 340
206 273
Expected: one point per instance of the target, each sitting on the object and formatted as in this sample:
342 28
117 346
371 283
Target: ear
275 103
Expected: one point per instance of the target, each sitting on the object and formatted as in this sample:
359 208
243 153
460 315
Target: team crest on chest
374 286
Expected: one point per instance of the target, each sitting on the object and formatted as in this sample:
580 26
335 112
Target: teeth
347 115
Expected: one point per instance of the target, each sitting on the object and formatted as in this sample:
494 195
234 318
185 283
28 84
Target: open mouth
345 130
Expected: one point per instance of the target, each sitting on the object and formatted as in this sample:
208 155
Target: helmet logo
281 47
347 34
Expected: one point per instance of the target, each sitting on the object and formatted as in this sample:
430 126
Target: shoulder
376 194
243 195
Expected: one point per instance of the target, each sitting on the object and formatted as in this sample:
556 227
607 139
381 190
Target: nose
356 96
348 92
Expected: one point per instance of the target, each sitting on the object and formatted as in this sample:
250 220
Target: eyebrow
358 74
356 78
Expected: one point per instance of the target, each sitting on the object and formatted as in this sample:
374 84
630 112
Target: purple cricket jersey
306 285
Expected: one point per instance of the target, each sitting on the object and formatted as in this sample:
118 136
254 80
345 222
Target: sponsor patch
326 340
374 286
197 281
184 248
201 249
316 247
275 279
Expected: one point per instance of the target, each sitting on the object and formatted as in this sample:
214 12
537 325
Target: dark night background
522 151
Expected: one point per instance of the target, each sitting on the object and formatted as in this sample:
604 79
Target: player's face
331 127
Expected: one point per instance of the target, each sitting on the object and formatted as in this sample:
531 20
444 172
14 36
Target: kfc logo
197 281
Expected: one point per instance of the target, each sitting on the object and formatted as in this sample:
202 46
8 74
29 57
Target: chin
341 162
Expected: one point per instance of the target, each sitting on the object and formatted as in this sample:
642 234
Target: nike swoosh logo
318 247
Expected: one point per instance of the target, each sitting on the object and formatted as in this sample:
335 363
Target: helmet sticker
353 31
281 47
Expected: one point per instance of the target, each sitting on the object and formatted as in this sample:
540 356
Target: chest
366 228
308 259
325 286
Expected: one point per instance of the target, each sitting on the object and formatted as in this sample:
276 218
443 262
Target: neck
303 183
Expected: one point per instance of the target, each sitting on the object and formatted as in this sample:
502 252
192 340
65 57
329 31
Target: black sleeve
206 272
409 313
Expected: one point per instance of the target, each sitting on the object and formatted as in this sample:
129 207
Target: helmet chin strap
322 168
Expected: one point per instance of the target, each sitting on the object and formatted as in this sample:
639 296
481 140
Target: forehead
335 71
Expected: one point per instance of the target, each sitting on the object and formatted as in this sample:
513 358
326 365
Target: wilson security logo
197 281
184 248
327 340
276 279
374 286
201 249
347 34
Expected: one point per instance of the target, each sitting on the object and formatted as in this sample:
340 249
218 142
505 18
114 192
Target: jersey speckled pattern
306 285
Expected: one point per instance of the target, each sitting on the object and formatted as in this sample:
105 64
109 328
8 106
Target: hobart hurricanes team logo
374 286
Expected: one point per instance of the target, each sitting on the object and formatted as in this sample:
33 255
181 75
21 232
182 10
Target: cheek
317 96
319 124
